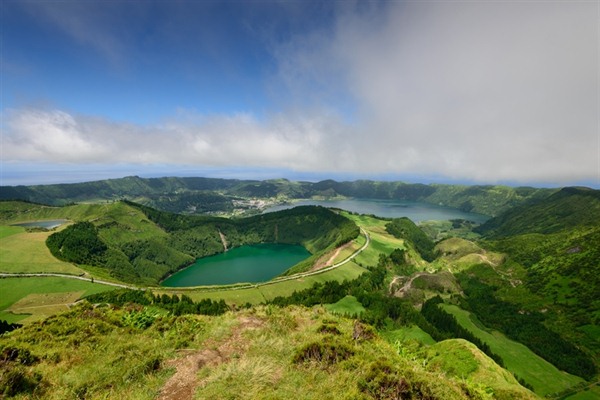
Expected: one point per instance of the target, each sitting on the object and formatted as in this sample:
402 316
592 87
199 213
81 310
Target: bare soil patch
183 384
328 259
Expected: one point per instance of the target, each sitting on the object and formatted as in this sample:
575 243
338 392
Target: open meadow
26 252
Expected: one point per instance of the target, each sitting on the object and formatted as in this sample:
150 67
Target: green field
544 377
381 240
40 297
26 252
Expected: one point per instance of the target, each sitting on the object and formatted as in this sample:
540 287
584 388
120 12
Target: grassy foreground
261 353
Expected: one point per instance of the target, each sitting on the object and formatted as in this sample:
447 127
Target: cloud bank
486 91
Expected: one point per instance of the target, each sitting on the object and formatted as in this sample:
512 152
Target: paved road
81 278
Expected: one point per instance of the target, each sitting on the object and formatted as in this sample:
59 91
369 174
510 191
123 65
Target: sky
481 92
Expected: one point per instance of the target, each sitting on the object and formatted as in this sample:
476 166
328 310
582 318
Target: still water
416 211
252 263
48 224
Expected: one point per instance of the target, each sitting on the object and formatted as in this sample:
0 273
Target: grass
347 306
41 297
544 377
592 393
462 359
408 333
26 252
261 353
381 241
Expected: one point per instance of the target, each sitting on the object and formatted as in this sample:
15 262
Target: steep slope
570 207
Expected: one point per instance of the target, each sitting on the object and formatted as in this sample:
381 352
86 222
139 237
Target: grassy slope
464 360
22 251
381 240
97 353
543 376
346 306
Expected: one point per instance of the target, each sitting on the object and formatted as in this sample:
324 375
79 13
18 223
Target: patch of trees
78 243
404 228
381 310
6 326
525 327
178 305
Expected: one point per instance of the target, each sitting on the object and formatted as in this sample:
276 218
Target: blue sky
477 92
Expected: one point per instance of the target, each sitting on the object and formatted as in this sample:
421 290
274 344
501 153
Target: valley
514 312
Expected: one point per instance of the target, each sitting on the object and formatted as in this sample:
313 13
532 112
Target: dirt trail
323 264
400 292
223 240
184 383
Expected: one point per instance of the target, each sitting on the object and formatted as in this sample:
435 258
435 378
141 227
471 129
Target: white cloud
474 90
482 91
56 136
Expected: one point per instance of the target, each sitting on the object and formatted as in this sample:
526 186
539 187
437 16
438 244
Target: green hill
142 245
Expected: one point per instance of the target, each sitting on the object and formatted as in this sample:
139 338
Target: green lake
251 263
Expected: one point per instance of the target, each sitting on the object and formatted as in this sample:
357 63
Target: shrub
326 352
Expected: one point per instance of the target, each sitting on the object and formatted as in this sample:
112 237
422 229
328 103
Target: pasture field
348 306
381 240
544 377
41 297
26 252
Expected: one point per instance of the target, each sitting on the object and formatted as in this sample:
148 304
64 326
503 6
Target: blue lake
416 211
252 263
48 224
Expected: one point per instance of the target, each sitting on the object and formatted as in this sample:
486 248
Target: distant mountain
201 195
570 207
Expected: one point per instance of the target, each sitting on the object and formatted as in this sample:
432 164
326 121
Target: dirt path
320 264
81 278
400 292
184 383
223 240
